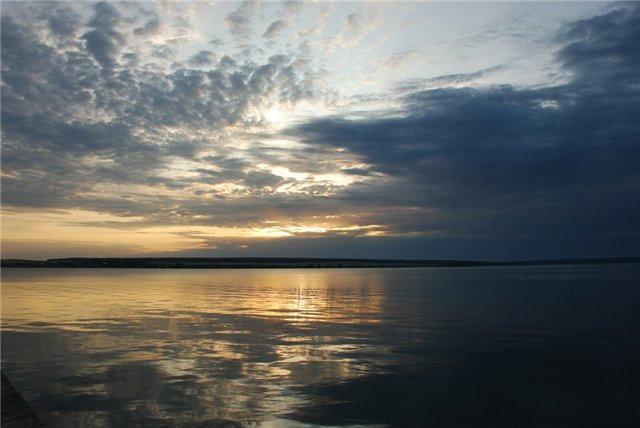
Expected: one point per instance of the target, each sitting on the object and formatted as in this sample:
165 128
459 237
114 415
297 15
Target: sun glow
275 115
98 234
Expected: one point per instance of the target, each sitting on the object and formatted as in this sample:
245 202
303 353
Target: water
435 347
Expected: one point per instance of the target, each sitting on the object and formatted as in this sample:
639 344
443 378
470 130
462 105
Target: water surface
552 346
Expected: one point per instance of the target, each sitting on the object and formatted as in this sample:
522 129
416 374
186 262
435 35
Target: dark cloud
532 163
104 39
152 26
604 47
202 58
63 22
215 42
260 179
356 171
240 21
274 29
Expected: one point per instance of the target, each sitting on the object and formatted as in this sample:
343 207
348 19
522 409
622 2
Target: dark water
438 347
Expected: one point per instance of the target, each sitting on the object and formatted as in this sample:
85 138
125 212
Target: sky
487 131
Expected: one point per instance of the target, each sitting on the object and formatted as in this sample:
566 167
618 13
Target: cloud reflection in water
463 347
125 347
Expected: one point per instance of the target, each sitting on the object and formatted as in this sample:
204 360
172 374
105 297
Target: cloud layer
101 113
551 163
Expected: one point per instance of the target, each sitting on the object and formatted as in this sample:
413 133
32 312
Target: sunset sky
394 130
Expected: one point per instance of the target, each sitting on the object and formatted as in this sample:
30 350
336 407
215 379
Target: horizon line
325 259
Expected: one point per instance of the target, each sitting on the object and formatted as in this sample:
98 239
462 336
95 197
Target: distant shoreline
271 262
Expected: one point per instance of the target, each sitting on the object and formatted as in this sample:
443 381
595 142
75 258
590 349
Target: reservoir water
537 346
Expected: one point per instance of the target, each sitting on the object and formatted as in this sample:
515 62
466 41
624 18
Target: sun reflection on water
198 345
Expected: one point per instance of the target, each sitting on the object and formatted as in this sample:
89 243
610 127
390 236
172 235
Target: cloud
448 80
215 42
73 134
532 163
287 13
603 47
240 21
291 8
355 27
274 30
202 58
92 120
398 58
152 26
63 22
104 40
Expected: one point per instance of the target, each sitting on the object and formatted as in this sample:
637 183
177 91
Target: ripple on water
442 347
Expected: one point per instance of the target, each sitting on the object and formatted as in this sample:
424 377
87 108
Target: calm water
435 347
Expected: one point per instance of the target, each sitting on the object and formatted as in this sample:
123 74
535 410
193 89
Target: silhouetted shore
268 262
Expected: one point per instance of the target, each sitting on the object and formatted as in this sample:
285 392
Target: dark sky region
468 131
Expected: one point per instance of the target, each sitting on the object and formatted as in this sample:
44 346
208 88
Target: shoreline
285 263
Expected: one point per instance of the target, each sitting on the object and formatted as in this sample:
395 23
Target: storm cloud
548 163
